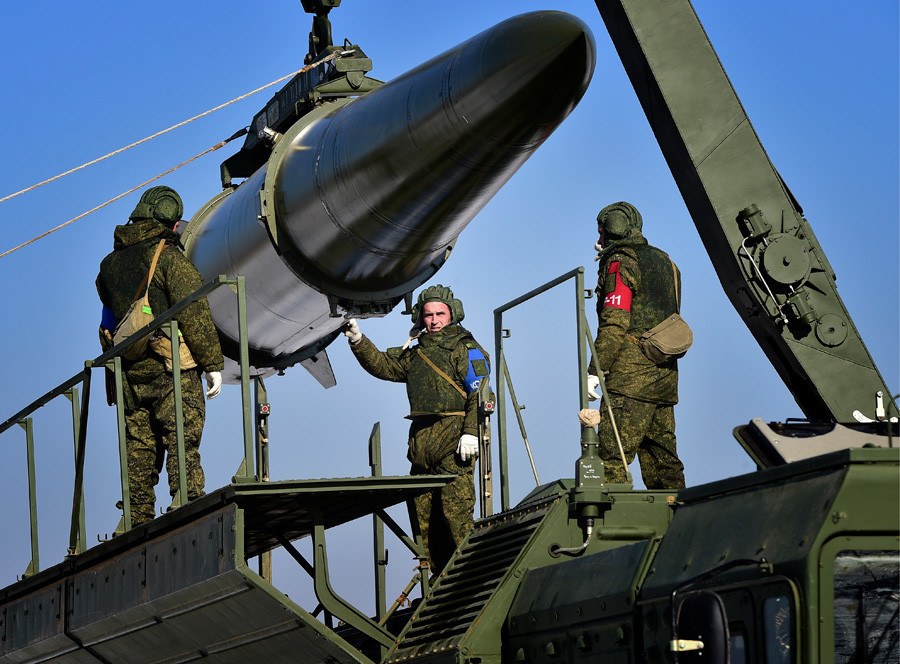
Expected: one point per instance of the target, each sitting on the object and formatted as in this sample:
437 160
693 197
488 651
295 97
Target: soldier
442 372
149 388
637 288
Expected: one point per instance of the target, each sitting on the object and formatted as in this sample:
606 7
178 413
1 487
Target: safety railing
254 465
503 380
255 448
80 408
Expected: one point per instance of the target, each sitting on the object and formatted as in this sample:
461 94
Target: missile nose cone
402 170
529 73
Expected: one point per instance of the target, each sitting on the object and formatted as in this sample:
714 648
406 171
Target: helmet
438 294
619 220
160 203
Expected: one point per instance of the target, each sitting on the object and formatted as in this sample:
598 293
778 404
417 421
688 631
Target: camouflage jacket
429 393
636 290
122 271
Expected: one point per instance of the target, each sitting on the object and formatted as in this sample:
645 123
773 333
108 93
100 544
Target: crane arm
764 251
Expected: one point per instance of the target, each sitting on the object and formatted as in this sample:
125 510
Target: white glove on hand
468 447
213 384
351 331
593 384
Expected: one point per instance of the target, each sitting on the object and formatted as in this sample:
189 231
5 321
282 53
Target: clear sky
819 81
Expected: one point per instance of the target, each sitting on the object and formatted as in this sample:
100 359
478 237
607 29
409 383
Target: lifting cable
238 134
125 193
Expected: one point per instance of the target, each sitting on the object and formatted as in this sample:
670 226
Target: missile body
362 199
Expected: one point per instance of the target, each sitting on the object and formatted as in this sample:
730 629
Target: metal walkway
178 589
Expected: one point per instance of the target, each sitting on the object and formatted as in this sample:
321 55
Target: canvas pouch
162 345
670 339
138 315
667 341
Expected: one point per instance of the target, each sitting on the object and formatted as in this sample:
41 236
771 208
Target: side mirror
700 633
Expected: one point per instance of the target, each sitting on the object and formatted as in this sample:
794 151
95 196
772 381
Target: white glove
213 384
351 331
593 384
468 447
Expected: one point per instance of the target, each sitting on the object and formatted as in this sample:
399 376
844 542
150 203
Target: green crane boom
764 251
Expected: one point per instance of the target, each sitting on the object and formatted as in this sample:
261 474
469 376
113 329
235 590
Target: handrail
255 444
102 359
111 359
35 564
502 371
41 401
583 337
246 470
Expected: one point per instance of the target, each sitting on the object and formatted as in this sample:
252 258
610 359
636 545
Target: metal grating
469 582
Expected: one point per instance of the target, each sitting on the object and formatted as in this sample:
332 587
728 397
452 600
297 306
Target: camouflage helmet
438 293
160 203
619 220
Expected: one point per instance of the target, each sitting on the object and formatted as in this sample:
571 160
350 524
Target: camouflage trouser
648 430
150 437
445 515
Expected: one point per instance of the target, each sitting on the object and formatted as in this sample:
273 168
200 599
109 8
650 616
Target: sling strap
675 276
441 373
416 413
149 276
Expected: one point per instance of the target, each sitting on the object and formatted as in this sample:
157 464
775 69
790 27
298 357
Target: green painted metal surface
579 609
179 588
476 588
771 266
184 595
777 520
804 520
463 619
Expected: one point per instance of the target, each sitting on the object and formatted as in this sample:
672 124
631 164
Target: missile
361 200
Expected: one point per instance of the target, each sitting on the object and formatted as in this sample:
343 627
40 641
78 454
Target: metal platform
178 589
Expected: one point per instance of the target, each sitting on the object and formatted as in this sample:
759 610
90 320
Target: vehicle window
738 646
866 602
779 632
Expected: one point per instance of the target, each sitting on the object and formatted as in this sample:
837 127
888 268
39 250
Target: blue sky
818 81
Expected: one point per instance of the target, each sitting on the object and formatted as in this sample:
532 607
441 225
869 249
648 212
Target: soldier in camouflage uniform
442 372
149 389
638 287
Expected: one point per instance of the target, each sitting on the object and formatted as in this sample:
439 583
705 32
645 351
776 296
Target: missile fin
320 367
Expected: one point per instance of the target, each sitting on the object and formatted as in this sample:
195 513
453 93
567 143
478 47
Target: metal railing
503 379
255 448
254 466
111 360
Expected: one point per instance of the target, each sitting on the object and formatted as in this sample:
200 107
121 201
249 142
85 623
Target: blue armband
478 369
107 319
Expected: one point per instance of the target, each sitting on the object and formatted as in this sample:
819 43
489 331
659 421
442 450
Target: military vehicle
796 562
